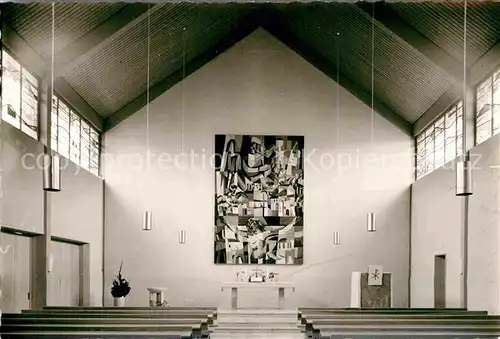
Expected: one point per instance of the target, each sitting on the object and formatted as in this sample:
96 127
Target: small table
157 296
234 286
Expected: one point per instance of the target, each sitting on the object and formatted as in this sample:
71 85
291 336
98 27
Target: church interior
250 170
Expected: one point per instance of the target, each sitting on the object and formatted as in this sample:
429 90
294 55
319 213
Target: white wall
484 226
436 229
76 214
21 187
257 87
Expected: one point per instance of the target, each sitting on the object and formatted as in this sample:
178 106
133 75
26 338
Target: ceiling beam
30 59
68 94
445 101
480 70
486 65
391 22
247 25
110 26
101 36
272 25
22 51
454 69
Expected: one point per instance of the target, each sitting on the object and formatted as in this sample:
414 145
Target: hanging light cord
183 78
464 99
53 51
338 88
52 62
148 75
373 69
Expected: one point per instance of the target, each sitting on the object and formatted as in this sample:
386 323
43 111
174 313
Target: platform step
235 335
257 316
255 319
268 323
259 311
257 324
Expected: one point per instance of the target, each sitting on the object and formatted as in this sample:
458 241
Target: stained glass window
20 96
74 138
488 108
440 142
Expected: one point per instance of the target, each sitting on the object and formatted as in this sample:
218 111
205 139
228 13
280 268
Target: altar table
280 286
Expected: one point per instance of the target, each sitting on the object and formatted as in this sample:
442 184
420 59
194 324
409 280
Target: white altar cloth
280 286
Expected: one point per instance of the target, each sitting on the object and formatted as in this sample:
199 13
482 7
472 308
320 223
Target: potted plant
120 288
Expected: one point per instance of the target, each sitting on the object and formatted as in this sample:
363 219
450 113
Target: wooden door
15 272
64 277
440 281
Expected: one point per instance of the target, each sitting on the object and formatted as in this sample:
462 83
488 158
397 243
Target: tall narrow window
20 96
94 152
63 129
74 138
488 108
496 102
440 142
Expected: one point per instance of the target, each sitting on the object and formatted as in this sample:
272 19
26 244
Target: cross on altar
257 271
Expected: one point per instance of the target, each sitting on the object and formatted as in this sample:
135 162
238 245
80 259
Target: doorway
15 271
440 281
64 275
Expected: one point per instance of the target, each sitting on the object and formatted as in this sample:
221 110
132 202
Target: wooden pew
209 314
407 323
105 315
95 308
412 311
347 313
329 313
64 322
417 331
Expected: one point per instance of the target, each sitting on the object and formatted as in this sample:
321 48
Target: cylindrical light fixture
51 173
464 178
147 221
336 238
463 186
370 222
182 237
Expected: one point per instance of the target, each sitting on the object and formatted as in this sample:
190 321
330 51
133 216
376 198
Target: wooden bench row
123 315
395 323
127 309
59 322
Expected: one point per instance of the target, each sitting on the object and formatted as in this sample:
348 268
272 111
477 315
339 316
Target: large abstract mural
259 199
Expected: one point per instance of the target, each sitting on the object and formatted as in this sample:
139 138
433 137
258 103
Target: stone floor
257 323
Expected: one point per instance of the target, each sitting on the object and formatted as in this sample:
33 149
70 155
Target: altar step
256 317
261 324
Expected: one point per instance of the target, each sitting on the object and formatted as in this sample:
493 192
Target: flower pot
120 302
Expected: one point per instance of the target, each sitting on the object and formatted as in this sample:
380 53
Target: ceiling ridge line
246 25
327 67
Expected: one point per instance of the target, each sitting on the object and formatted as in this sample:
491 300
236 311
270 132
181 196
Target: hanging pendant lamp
336 238
463 185
51 173
147 220
51 163
370 217
370 222
464 178
182 237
